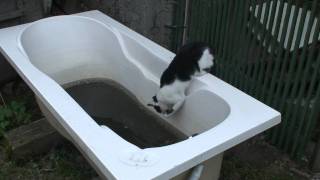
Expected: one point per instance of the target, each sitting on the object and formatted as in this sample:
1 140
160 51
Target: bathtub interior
70 49
124 115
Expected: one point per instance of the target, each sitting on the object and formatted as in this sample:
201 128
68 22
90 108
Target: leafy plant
12 115
5 114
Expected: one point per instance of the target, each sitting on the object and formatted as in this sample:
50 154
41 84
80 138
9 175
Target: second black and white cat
192 60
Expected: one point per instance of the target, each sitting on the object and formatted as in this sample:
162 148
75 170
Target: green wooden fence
268 49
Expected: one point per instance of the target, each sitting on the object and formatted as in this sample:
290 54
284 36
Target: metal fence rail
268 49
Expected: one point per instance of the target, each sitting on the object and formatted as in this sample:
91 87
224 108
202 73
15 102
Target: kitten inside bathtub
192 60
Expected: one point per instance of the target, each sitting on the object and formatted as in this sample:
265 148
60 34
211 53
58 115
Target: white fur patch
171 94
206 61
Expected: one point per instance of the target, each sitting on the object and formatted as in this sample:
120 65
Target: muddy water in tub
108 103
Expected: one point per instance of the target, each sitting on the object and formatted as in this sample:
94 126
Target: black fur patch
158 109
184 64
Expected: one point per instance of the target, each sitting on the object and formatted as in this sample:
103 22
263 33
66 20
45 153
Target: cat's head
161 108
206 60
199 55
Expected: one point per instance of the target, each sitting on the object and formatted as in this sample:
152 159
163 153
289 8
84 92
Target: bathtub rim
181 160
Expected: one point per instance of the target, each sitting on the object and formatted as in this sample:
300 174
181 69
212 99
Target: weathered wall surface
14 12
147 17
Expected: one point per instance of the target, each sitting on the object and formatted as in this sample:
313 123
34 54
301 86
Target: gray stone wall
147 17
14 12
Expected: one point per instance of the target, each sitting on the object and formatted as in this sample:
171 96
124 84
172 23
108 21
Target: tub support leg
196 172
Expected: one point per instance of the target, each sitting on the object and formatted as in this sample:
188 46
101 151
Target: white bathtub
61 50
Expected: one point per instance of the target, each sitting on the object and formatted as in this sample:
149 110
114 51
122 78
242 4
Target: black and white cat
192 60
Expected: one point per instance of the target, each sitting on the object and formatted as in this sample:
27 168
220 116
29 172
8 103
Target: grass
13 115
64 162
17 106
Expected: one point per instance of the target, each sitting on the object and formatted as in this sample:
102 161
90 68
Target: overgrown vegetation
12 115
64 162
17 106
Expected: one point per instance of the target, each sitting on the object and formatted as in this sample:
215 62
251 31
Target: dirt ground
255 159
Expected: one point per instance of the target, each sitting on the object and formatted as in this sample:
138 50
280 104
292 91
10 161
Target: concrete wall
147 17
14 12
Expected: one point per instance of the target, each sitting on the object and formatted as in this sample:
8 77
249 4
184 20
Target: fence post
185 23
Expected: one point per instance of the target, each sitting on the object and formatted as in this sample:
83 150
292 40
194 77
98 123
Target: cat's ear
153 103
155 99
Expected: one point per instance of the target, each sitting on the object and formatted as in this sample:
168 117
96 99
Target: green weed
13 115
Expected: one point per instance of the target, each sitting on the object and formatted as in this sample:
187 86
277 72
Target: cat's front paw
169 111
